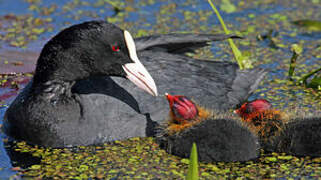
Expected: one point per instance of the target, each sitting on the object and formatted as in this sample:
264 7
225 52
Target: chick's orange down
184 113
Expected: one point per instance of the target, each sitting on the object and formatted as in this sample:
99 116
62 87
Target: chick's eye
115 48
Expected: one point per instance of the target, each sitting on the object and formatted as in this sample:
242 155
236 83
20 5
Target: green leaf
289 157
297 49
35 167
193 165
303 80
315 83
271 159
311 25
185 161
227 6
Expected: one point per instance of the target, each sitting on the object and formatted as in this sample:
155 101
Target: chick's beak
168 96
135 71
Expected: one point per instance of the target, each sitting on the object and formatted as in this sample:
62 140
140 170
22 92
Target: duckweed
141 157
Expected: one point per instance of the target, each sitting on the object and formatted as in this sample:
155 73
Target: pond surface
25 25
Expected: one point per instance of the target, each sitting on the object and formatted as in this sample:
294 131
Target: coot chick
302 136
268 123
219 137
72 102
292 133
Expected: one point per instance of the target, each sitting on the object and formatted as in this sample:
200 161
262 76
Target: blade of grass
240 59
193 165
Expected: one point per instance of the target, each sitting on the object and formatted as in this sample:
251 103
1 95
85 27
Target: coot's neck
62 62
55 75
48 70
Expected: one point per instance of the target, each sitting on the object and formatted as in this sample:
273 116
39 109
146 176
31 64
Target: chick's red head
182 108
257 105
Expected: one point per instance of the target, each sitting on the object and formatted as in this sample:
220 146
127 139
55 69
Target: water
150 17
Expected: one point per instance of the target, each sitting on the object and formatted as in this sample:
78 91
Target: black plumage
79 95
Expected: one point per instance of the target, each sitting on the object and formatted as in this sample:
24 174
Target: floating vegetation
143 158
311 25
227 6
19 30
315 82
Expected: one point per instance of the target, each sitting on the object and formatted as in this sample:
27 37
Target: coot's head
182 108
257 105
92 48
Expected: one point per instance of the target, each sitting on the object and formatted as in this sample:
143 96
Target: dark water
146 17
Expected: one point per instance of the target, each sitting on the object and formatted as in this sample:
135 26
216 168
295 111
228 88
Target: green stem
237 53
305 77
219 17
292 65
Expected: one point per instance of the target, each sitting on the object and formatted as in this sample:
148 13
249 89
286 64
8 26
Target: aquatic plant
242 60
193 165
315 82
311 25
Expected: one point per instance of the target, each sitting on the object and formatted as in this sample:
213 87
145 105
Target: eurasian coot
48 111
75 99
219 137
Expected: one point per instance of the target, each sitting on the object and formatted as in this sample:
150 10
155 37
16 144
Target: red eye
115 48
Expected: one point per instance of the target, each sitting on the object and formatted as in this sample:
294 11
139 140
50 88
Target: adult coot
49 112
219 137
74 99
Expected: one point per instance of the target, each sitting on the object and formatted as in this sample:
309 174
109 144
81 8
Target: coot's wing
178 43
244 84
215 85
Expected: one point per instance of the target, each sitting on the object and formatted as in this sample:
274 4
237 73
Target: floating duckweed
271 159
148 160
185 161
285 157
